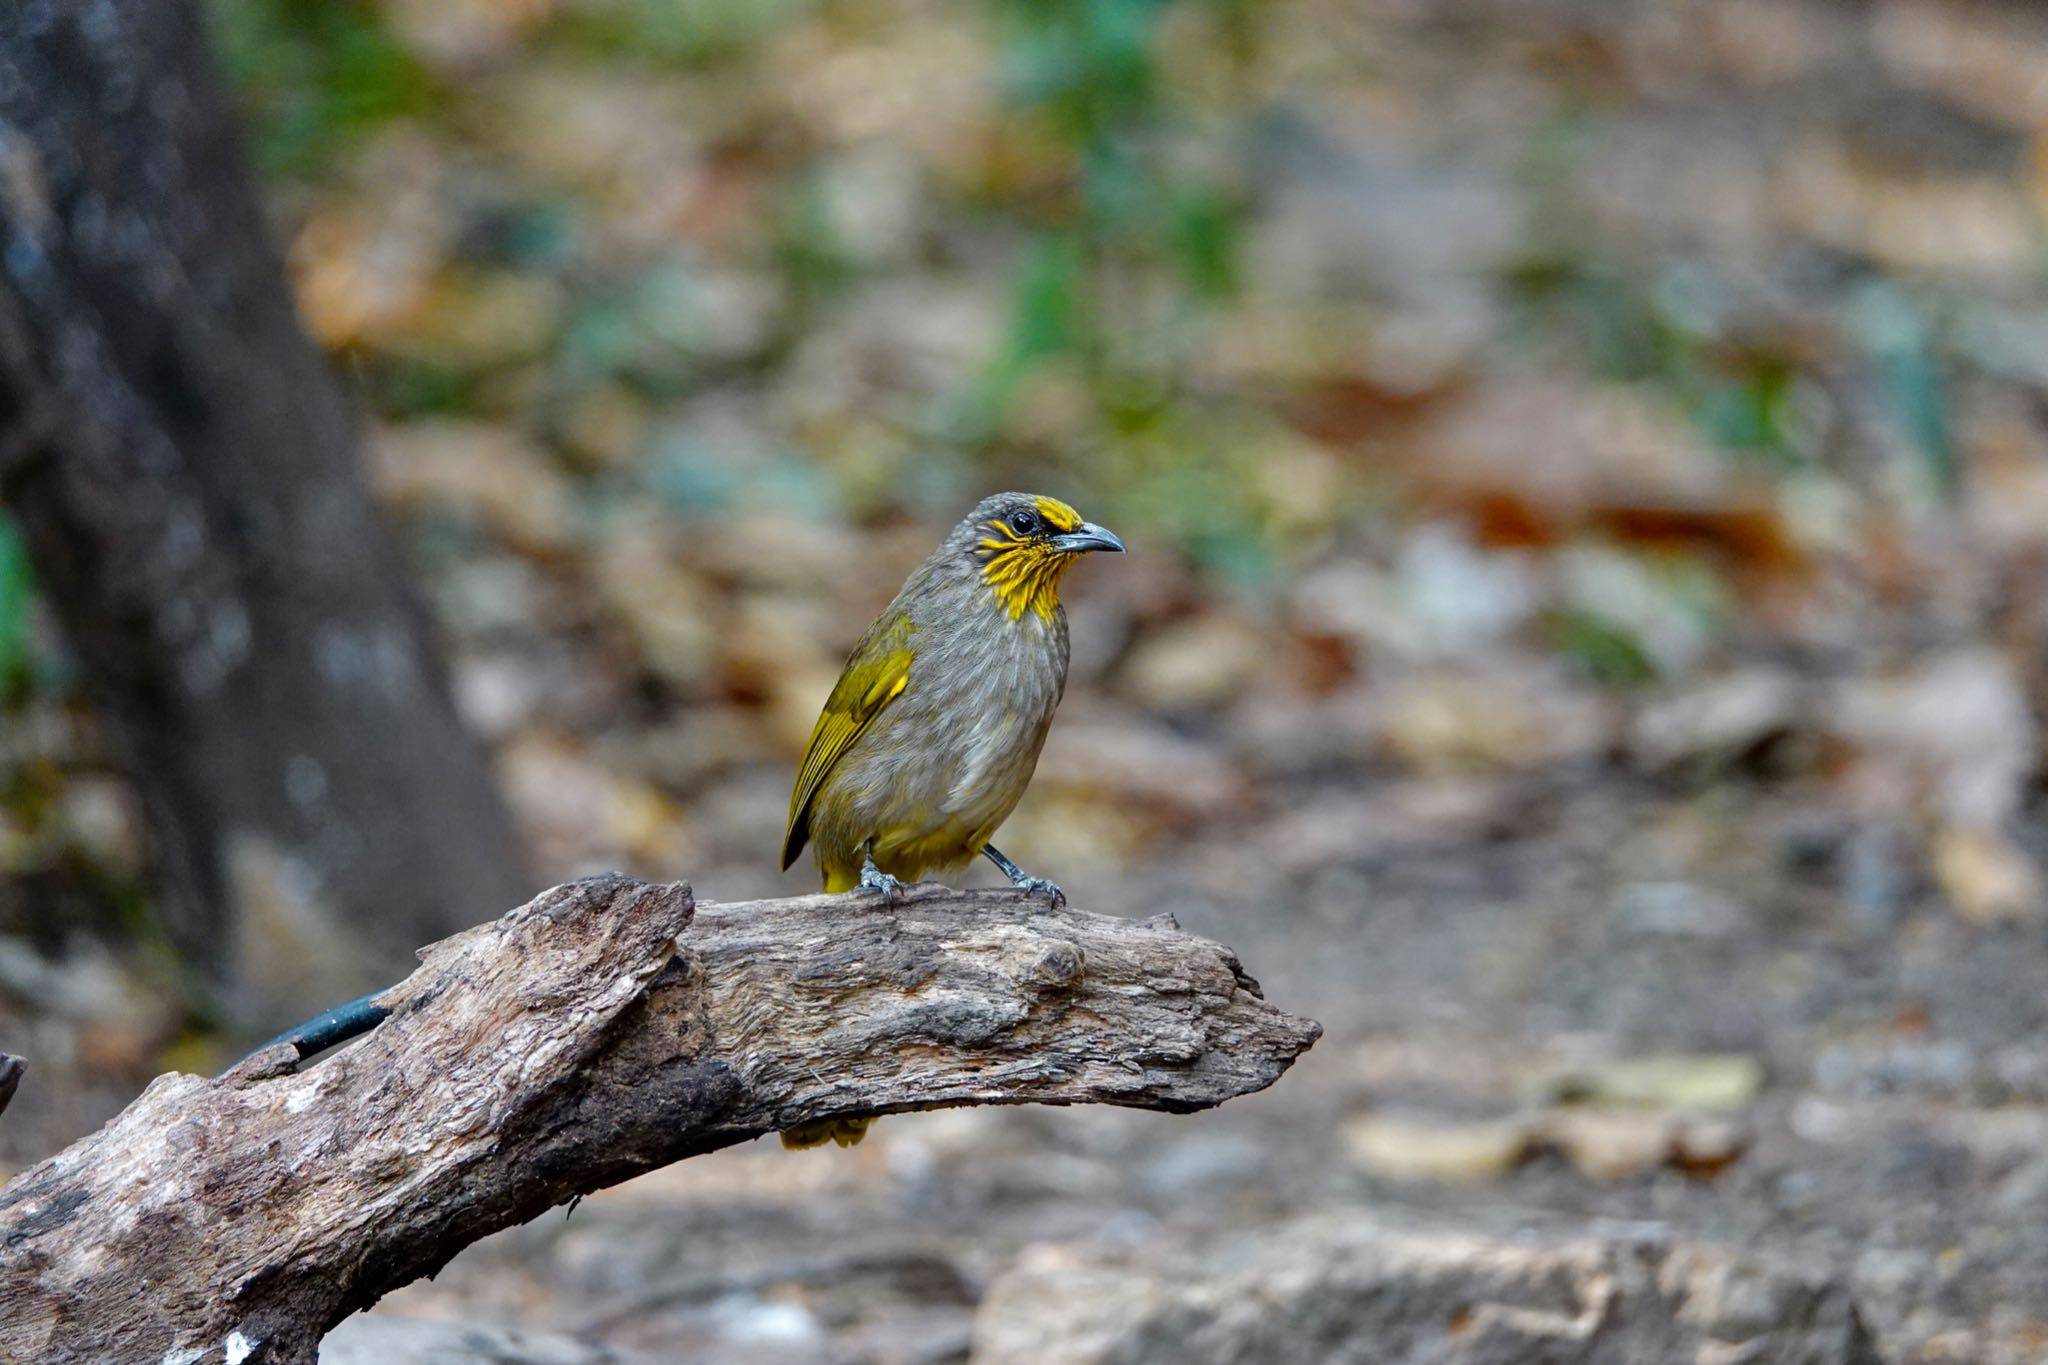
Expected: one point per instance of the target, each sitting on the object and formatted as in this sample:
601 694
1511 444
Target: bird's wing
876 673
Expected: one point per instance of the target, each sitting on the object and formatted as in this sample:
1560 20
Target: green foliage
1120 259
1205 236
1740 382
1741 391
1742 387
646 331
16 590
1898 343
808 242
1193 489
1048 300
402 386
1120 267
1086 68
679 33
314 75
1748 406
1606 649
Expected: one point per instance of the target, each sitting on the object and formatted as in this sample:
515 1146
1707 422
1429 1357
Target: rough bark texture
592 1035
1357 1292
185 472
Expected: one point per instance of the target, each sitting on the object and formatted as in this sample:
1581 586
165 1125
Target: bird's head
1022 544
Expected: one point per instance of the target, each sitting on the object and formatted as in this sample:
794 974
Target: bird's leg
1030 886
872 878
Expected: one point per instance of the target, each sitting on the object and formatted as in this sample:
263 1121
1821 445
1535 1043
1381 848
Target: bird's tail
845 1132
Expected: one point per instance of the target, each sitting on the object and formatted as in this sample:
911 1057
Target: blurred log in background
187 478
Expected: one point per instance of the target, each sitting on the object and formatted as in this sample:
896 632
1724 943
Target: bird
932 732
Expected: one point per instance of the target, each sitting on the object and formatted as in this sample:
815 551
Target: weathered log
600 1031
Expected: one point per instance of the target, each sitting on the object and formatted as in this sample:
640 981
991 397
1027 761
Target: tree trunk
608 1028
185 472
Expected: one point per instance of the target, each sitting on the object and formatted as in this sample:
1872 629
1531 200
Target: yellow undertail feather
845 1132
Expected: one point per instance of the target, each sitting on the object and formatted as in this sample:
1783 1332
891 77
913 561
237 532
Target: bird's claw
872 878
1042 886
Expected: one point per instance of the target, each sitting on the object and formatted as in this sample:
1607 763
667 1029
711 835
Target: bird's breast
989 697
957 749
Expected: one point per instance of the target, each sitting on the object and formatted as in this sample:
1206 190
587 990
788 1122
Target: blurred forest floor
1587 475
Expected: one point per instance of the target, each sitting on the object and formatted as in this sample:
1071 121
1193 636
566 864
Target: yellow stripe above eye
1062 517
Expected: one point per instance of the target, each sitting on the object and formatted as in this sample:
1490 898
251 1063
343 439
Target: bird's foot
1042 886
1030 886
872 878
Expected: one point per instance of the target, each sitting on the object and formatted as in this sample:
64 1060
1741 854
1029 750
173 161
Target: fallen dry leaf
577 813
1140 761
1985 876
672 614
1718 717
1904 216
1610 1145
1198 663
1451 1153
1956 728
1711 1082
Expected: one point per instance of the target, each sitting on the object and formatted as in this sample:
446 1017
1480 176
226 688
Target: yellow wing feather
876 673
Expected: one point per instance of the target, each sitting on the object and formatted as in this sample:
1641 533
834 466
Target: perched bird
930 736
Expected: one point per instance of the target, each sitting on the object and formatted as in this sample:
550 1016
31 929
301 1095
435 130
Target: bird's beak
1088 537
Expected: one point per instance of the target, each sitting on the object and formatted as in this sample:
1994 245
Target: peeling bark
605 1029
184 469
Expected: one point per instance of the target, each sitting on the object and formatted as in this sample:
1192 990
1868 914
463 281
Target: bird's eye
1021 521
